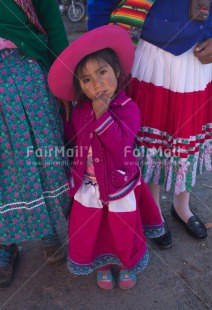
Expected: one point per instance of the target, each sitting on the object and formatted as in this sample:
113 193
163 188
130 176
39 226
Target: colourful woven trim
153 232
103 260
123 191
131 14
175 173
104 125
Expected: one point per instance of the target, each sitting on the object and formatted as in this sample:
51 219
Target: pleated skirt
33 166
174 94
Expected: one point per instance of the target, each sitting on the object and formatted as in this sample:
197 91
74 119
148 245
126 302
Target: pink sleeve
6 44
122 127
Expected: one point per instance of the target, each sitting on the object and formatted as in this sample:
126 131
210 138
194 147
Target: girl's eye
102 72
85 80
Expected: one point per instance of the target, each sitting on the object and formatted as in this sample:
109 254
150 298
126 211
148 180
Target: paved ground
176 279
74 30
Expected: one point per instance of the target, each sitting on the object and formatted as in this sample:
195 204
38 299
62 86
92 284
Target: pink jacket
111 138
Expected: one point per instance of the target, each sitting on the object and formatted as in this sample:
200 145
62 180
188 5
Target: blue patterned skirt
33 165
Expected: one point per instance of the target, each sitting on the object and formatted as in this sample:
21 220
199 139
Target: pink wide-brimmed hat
110 36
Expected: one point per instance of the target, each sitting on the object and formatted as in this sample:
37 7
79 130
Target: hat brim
61 73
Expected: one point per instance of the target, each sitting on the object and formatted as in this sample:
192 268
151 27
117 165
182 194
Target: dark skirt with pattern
33 166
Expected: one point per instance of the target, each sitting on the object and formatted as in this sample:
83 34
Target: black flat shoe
194 226
164 241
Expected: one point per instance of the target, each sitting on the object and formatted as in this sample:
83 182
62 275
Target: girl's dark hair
108 56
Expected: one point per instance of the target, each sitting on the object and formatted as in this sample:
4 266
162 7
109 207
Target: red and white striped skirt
174 94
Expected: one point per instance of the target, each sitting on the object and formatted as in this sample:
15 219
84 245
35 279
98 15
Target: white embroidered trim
27 204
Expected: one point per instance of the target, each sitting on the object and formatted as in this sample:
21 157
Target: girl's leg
165 241
105 278
127 278
8 257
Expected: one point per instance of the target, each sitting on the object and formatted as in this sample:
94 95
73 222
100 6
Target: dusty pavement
176 279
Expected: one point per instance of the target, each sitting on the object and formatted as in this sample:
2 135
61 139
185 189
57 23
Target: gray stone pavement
74 30
176 279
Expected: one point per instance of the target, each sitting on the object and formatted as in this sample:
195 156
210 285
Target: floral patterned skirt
33 166
174 96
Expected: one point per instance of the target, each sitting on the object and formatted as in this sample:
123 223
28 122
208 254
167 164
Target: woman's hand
100 104
203 51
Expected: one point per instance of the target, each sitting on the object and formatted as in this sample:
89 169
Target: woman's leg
181 205
53 250
165 241
155 191
8 256
181 212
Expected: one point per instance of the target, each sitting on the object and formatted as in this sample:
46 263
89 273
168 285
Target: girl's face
98 78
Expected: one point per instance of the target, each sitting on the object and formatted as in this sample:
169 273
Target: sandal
127 279
105 279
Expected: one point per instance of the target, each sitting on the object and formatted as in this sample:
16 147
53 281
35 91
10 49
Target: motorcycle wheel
76 12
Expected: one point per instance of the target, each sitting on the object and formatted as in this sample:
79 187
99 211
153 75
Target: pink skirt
103 235
174 96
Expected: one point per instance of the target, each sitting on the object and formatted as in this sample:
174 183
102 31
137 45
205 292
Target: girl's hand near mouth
100 104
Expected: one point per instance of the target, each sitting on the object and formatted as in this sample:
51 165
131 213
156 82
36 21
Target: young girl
106 221
175 138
